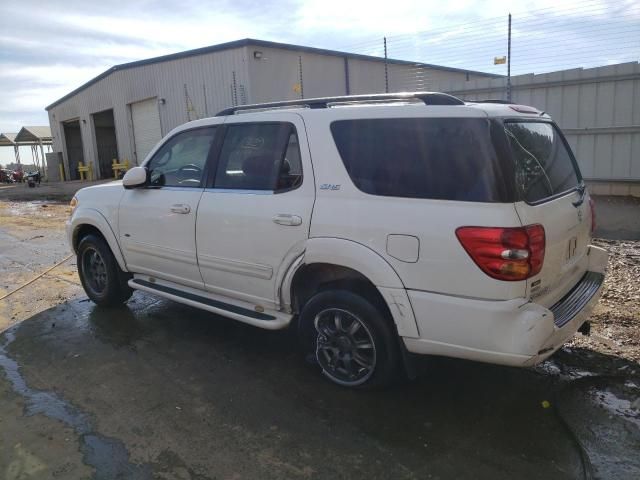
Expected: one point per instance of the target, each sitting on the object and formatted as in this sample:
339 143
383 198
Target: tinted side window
181 160
437 158
259 156
543 163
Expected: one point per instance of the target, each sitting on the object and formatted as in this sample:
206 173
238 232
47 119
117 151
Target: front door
157 223
256 215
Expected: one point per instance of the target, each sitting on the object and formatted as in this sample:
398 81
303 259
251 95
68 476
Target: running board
269 321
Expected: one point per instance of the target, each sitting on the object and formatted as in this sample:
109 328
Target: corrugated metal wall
209 81
276 75
598 109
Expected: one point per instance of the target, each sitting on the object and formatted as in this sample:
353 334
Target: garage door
146 126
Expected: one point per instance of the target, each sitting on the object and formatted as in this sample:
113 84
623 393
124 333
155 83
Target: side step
269 321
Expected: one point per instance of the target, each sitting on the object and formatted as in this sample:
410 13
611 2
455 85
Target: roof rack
429 98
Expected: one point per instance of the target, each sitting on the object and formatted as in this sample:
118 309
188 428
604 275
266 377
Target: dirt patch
49 191
33 216
32 240
615 322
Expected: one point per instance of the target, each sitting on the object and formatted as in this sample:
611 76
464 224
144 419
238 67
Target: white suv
375 225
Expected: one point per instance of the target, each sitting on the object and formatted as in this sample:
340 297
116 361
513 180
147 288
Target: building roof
258 43
34 134
7 139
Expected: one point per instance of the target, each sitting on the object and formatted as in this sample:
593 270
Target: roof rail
429 98
504 102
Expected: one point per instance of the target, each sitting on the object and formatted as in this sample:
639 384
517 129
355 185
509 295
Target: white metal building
123 112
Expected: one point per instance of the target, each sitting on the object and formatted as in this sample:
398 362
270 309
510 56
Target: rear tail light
592 206
505 253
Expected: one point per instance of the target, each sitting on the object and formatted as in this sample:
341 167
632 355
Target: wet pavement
161 390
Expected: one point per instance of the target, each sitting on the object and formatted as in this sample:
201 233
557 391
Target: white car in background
376 225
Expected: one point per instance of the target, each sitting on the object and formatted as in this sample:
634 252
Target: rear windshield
436 158
544 166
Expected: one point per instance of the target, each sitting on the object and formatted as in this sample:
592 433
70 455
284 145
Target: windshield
544 166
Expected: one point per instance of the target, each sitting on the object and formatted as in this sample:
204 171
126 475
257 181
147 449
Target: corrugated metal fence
597 108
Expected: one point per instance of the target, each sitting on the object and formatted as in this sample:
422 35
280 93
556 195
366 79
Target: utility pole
386 68
300 76
509 62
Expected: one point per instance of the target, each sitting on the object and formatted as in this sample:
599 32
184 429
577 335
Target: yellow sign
297 87
499 60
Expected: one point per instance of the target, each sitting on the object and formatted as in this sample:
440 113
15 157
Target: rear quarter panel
343 211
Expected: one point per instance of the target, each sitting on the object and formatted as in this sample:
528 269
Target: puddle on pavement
621 402
108 456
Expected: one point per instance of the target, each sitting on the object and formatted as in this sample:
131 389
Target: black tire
342 355
102 279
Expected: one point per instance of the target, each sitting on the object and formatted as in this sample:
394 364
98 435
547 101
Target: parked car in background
18 176
6 176
377 226
33 178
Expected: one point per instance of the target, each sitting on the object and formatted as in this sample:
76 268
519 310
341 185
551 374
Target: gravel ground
615 323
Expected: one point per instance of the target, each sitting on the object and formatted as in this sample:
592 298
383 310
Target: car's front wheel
352 340
102 279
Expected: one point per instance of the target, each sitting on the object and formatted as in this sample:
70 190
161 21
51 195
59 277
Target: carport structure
9 140
34 137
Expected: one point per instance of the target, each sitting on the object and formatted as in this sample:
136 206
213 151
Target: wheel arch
88 221
336 263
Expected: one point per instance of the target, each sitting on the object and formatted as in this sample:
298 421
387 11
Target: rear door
253 219
551 194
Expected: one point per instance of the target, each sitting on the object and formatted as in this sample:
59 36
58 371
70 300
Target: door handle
287 219
180 208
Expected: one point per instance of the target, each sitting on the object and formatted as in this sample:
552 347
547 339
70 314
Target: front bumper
510 332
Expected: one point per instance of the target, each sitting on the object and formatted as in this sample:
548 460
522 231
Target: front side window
259 156
181 160
543 164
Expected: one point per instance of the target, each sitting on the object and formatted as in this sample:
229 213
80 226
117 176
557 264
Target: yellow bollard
88 170
119 166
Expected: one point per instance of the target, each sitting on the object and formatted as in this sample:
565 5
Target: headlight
73 204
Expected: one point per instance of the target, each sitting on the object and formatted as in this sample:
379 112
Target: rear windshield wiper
582 189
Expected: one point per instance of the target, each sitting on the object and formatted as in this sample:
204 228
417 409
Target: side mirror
135 177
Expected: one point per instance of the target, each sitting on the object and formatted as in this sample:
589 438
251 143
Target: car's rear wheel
102 279
353 342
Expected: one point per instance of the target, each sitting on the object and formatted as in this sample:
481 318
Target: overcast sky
50 47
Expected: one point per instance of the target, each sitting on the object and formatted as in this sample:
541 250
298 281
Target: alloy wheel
94 270
345 348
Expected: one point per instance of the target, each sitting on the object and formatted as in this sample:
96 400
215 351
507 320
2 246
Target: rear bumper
511 332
